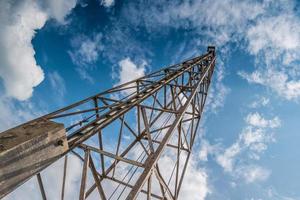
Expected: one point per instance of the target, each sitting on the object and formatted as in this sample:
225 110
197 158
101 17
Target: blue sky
54 53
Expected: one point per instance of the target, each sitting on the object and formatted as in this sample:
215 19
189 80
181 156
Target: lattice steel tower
130 142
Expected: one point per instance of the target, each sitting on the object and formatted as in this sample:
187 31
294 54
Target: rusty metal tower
132 141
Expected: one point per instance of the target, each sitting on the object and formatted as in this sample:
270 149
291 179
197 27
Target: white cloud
272 193
270 31
260 102
253 173
277 81
223 18
59 9
52 180
206 149
227 159
281 32
87 49
275 42
219 23
129 71
218 91
19 21
85 53
231 17
251 135
252 142
256 120
22 74
255 140
195 183
107 3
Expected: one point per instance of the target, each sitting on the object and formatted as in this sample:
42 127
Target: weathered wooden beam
27 149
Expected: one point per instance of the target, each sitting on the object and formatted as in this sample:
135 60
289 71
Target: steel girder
133 141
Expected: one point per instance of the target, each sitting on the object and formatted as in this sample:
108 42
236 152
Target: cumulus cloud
58 9
85 53
128 71
19 21
22 74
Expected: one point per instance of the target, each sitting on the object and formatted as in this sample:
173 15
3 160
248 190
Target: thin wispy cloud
260 102
253 173
85 53
252 142
58 85
275 40
107 3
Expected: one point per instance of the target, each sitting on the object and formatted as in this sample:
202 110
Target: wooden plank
27 149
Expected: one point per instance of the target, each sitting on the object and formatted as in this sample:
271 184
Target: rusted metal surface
123 136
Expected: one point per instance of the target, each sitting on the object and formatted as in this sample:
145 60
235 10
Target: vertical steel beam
42 189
